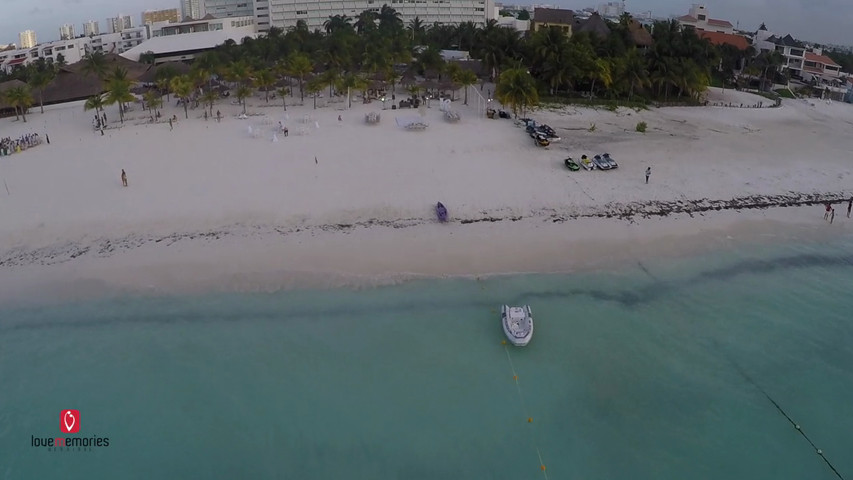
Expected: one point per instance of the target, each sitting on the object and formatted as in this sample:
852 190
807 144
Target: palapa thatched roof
475 66
640 36
595 25
134 69
70 86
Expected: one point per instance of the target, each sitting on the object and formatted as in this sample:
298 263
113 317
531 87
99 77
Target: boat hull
519 331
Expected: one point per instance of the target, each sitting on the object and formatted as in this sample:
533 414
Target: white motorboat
518 324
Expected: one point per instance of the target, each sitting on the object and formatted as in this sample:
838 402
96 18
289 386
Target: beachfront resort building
185 40
74 49
804 62
91 28
154 16
27 39
286 13
699 19
66 32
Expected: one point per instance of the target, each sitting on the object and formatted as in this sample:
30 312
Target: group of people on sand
829 213
9 146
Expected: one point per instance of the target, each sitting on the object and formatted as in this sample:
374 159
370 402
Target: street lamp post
383 102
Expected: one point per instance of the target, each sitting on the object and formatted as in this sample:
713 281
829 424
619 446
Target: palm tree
389 19
417 29
118 91
264 79
243 92
95 63
95 102
466 78
19 97
337 23
60 60
314 86
599 71
517 89
282 92
299 65
153 99
351 81
39 81
365 22
209 98
636 71
182 87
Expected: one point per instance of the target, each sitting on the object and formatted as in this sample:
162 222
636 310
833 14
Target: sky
823 21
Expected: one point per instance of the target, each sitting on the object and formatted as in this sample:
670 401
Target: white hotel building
285 13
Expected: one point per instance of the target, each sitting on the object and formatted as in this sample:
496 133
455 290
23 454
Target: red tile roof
720 23
716 38
811 57
16 61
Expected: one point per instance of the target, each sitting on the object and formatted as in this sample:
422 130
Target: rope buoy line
788 417
524 409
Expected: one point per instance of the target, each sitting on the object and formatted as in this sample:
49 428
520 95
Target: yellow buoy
503 342
515 377
542 467
530 420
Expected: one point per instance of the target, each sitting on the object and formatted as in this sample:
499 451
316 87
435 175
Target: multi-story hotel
192 9
91 28
66 32
119 23
27 39
285 13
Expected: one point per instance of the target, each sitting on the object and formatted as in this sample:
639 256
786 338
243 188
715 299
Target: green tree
39 80
243 92
182 87
466 78
282 92
95 102
299 65
209 98
264 79
118 91
19 98
153 99
516 89
314 86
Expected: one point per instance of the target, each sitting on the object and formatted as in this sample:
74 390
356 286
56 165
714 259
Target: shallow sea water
654 371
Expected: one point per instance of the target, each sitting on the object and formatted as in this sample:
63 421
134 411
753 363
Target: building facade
27 39
699 19
553 17
207 24
118 23
286 13
168 15
91 28
192 9
66 32
229 8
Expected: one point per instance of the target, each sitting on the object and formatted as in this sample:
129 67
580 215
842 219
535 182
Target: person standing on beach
826 212
218 116
123 178
170 124
47 137
832 216
648 174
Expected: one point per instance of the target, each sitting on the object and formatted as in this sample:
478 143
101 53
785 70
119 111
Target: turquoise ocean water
654 371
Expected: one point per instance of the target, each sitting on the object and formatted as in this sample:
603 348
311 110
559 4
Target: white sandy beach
209 205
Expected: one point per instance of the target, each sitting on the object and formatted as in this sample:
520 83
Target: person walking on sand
828 207
648 174
170 125
832 216
315 161
123 178
218 116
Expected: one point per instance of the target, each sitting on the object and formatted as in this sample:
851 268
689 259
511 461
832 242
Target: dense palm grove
377 47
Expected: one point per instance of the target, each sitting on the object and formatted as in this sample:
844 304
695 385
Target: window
702 18
302 12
